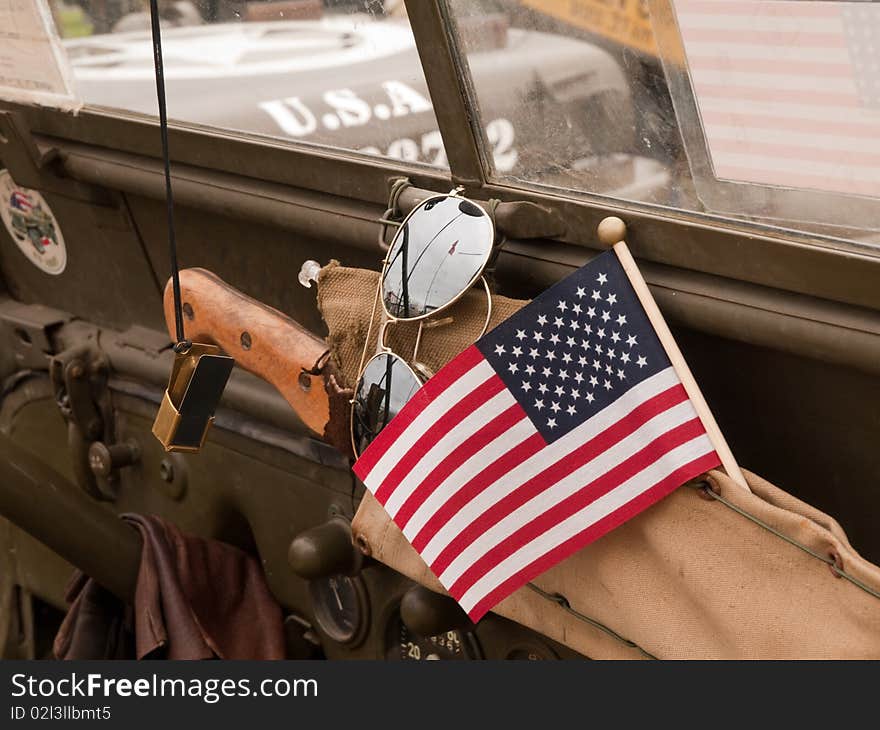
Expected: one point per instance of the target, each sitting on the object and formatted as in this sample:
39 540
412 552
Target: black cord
182 343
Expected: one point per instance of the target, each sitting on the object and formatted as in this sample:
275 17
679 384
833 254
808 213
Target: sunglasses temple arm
370 326
488 307
415 355
404 280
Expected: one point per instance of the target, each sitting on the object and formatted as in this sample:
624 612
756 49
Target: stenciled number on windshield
429 149
499 133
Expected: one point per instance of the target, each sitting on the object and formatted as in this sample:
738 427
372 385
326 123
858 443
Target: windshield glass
342 74
757 110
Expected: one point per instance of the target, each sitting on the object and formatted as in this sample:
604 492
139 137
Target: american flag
788 90
557 426
20 200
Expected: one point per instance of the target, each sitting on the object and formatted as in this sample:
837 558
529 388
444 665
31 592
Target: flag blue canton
576 348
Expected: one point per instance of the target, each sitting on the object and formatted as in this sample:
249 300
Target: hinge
79 380
22 156
26 329
35 162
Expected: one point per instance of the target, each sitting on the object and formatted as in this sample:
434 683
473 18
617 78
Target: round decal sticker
32 226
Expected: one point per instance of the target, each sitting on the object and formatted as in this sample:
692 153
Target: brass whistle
197 380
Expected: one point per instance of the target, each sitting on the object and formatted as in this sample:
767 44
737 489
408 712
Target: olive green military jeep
288 134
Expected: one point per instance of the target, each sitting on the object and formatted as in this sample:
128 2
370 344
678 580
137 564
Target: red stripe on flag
665 486
456 367
453 415
488 476
585 496
464 451
560 469
769 38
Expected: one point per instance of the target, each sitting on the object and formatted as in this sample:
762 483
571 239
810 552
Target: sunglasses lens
436 255
384 388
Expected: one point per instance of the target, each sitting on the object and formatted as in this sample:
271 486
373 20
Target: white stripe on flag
784 138
774 82
589 515
698 50
565 487
757 22
768 163
552 453
466 382
791 111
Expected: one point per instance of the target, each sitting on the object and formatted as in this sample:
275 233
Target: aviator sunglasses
437 254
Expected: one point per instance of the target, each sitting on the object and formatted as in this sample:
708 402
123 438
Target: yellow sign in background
623 21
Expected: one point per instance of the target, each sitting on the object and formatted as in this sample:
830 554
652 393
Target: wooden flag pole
611 233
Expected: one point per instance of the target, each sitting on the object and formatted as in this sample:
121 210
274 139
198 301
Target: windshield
345 75
757 110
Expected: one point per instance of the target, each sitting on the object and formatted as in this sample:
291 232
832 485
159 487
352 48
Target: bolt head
100 460
166 470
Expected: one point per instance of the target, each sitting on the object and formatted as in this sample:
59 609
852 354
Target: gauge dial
407 645
340 607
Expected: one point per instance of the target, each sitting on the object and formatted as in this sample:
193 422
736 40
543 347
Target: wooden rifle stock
269 344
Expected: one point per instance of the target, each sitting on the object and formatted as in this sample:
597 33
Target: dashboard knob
429 613
325 550
104 460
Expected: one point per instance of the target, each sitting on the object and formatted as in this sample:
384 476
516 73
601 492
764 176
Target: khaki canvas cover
709 572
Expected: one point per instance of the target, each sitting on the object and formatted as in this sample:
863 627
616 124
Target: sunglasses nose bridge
386 348
384 328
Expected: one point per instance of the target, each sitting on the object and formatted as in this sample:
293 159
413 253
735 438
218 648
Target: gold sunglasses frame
388 319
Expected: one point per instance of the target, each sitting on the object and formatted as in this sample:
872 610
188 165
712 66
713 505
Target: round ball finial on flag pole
611 230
